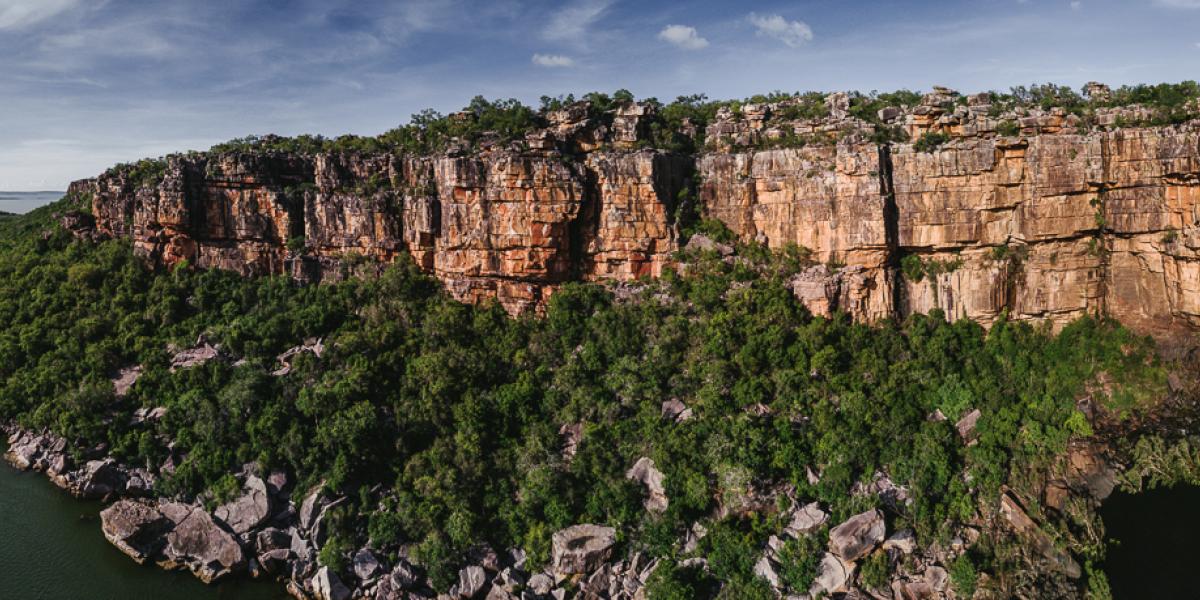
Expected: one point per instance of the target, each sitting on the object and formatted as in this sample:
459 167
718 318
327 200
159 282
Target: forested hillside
446 425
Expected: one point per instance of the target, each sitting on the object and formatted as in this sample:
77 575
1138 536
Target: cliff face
1051 222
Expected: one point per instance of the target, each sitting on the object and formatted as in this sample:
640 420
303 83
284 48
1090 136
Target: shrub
930 141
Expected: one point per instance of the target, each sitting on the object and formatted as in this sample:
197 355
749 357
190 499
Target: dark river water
1155 553
51 548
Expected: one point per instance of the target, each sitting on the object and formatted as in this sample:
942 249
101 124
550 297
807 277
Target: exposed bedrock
1052 224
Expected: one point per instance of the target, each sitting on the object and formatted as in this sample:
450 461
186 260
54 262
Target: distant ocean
23 202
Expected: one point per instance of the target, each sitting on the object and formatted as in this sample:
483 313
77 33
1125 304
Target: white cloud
683 36
1179 3
21 13
552 60
572 21
791 33
1076 5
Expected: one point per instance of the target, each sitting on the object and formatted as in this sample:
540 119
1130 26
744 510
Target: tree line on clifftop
443 423
679 126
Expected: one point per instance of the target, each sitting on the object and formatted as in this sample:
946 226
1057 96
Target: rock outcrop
1035 214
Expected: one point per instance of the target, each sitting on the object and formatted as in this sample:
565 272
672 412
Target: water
51 548
1155 553
23 202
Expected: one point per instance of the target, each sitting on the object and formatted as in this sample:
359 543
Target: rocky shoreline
270 531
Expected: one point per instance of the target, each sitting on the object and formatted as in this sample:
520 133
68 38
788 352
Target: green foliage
1097 584
915 269
798 561
876 571
147 172
930 141
453 412
670 582
1008 129
963 576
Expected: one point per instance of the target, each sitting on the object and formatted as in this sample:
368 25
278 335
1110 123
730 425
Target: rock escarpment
1035 214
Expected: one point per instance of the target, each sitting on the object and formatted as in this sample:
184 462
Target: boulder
249 510
1020 522
98 479
326 585
198 543
675 410
197 355
366 565
272 539
858 535
541 584
471 581
766 569
581 548
135 528
904 542
832 576
966 425
807 519
644 472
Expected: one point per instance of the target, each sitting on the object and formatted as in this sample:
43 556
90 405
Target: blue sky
88 83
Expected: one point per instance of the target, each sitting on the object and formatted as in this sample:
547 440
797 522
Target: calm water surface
23 202
51 548
1154 553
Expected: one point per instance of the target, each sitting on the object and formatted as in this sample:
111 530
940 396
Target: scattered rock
807 519
201 353
858 535
125 379
1025 526
675 410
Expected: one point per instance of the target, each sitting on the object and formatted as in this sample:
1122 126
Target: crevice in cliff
891 229
582 230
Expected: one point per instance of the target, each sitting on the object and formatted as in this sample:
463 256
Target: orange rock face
1052 224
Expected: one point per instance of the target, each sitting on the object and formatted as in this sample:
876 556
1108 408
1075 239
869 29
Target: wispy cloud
1076 5
15 14
792 33
683 36
553 60
571 22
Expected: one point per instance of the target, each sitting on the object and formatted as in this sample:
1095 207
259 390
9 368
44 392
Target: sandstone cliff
1037 214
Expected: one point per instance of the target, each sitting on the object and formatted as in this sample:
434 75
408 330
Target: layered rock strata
1053 221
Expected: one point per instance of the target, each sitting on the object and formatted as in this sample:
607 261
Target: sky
85 84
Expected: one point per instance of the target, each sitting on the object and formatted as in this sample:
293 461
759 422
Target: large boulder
366 565
581 548
471 581
858 535
198 543
135 528
326 585
832 576
249 510
644 472
99 478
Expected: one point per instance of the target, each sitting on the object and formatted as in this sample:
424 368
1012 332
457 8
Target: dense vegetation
441 421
